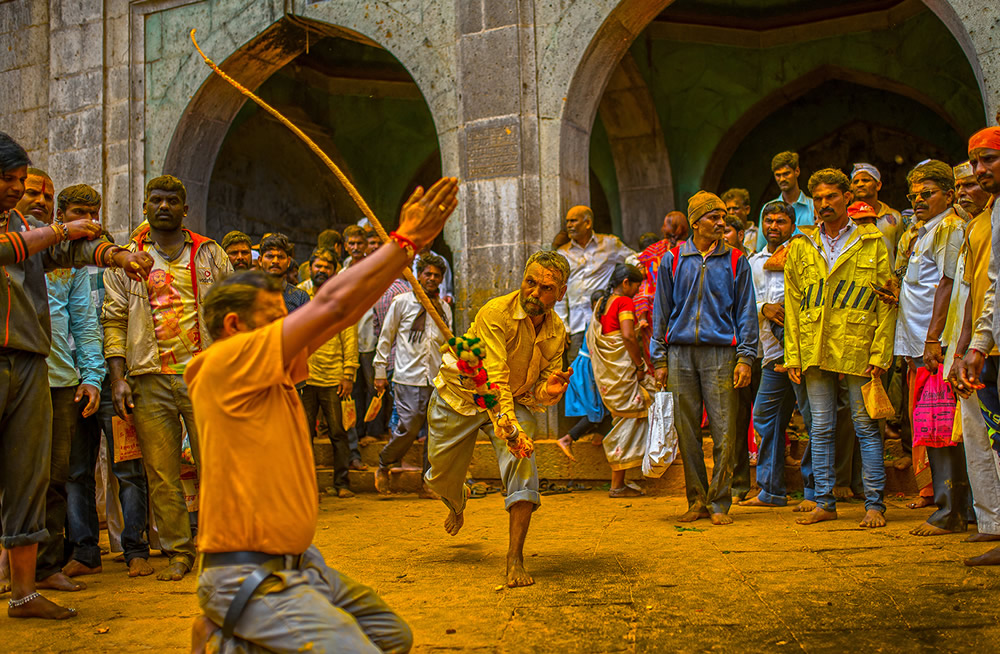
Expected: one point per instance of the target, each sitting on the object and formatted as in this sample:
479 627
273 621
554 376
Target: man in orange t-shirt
259 571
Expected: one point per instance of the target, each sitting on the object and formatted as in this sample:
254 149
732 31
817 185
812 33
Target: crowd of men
828 294
901 300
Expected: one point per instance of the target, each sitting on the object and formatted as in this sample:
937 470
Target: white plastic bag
661 437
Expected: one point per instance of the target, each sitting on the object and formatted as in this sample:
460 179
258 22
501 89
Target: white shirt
935 255
833 247
590 269
418 356
769 286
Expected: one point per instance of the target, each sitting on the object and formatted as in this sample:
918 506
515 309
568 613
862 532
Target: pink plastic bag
933 411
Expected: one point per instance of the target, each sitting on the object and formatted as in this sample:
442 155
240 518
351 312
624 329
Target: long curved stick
502 425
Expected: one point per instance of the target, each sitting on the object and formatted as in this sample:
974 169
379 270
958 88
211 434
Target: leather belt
267 564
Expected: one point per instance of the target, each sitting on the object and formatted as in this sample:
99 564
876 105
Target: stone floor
612 575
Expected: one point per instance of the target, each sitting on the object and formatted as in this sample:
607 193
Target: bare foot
792 462
902 463
139 567
174 572
842 492
201 631
755 501
873 519
454 522
356 464
693 515
367 440
516 574
991 557
927 529
4 586
981 538
427 493
75 569
805 506
625 491
721 519
41 608
817 515
345 493
119 559
920 502
59 581
566 445
382 481
596 439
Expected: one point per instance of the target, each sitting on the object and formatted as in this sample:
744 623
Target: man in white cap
866 182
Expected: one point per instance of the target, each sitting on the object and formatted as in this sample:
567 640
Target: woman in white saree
620 371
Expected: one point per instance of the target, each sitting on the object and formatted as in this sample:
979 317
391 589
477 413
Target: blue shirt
77 354
804 215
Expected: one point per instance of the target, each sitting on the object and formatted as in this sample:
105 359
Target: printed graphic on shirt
175 323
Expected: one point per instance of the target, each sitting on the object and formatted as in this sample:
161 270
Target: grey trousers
312 608
161 403
411 404
451 442
25 447
698 374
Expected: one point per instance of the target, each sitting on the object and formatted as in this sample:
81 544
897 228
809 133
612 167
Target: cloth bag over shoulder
661 436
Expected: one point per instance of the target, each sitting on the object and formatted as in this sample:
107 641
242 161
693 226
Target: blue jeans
821 387
772 412
82 527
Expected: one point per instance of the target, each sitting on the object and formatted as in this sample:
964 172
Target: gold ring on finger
441 208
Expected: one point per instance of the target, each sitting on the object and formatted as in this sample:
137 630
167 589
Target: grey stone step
591 468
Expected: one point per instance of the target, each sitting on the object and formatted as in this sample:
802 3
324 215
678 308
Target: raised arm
342 300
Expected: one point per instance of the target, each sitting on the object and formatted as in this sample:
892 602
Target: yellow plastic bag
348 415
374 407
876 401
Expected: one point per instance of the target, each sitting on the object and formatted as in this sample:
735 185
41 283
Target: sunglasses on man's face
923 195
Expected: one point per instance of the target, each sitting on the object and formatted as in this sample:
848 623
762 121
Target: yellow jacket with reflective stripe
833 320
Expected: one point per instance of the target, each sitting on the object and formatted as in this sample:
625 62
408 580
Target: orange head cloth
985 138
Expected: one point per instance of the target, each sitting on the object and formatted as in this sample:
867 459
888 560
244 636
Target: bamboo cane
517 442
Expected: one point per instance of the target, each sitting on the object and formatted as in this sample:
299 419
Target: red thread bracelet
409 246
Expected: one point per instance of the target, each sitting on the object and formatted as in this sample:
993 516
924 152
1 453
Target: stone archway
787 94
642 164
251 41
586 90
199 134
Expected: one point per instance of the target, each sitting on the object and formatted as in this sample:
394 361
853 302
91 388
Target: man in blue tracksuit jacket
705 334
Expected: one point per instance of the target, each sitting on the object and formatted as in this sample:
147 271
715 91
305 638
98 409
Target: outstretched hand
424 213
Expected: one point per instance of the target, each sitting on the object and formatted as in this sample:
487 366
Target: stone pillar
498 153
76 89
498 149
24 75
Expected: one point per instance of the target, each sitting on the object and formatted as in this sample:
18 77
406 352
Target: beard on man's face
319 278
533 307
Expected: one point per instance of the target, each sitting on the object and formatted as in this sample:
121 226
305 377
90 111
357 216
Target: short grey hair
551 260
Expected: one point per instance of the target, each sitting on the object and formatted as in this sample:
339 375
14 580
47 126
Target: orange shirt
258 479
